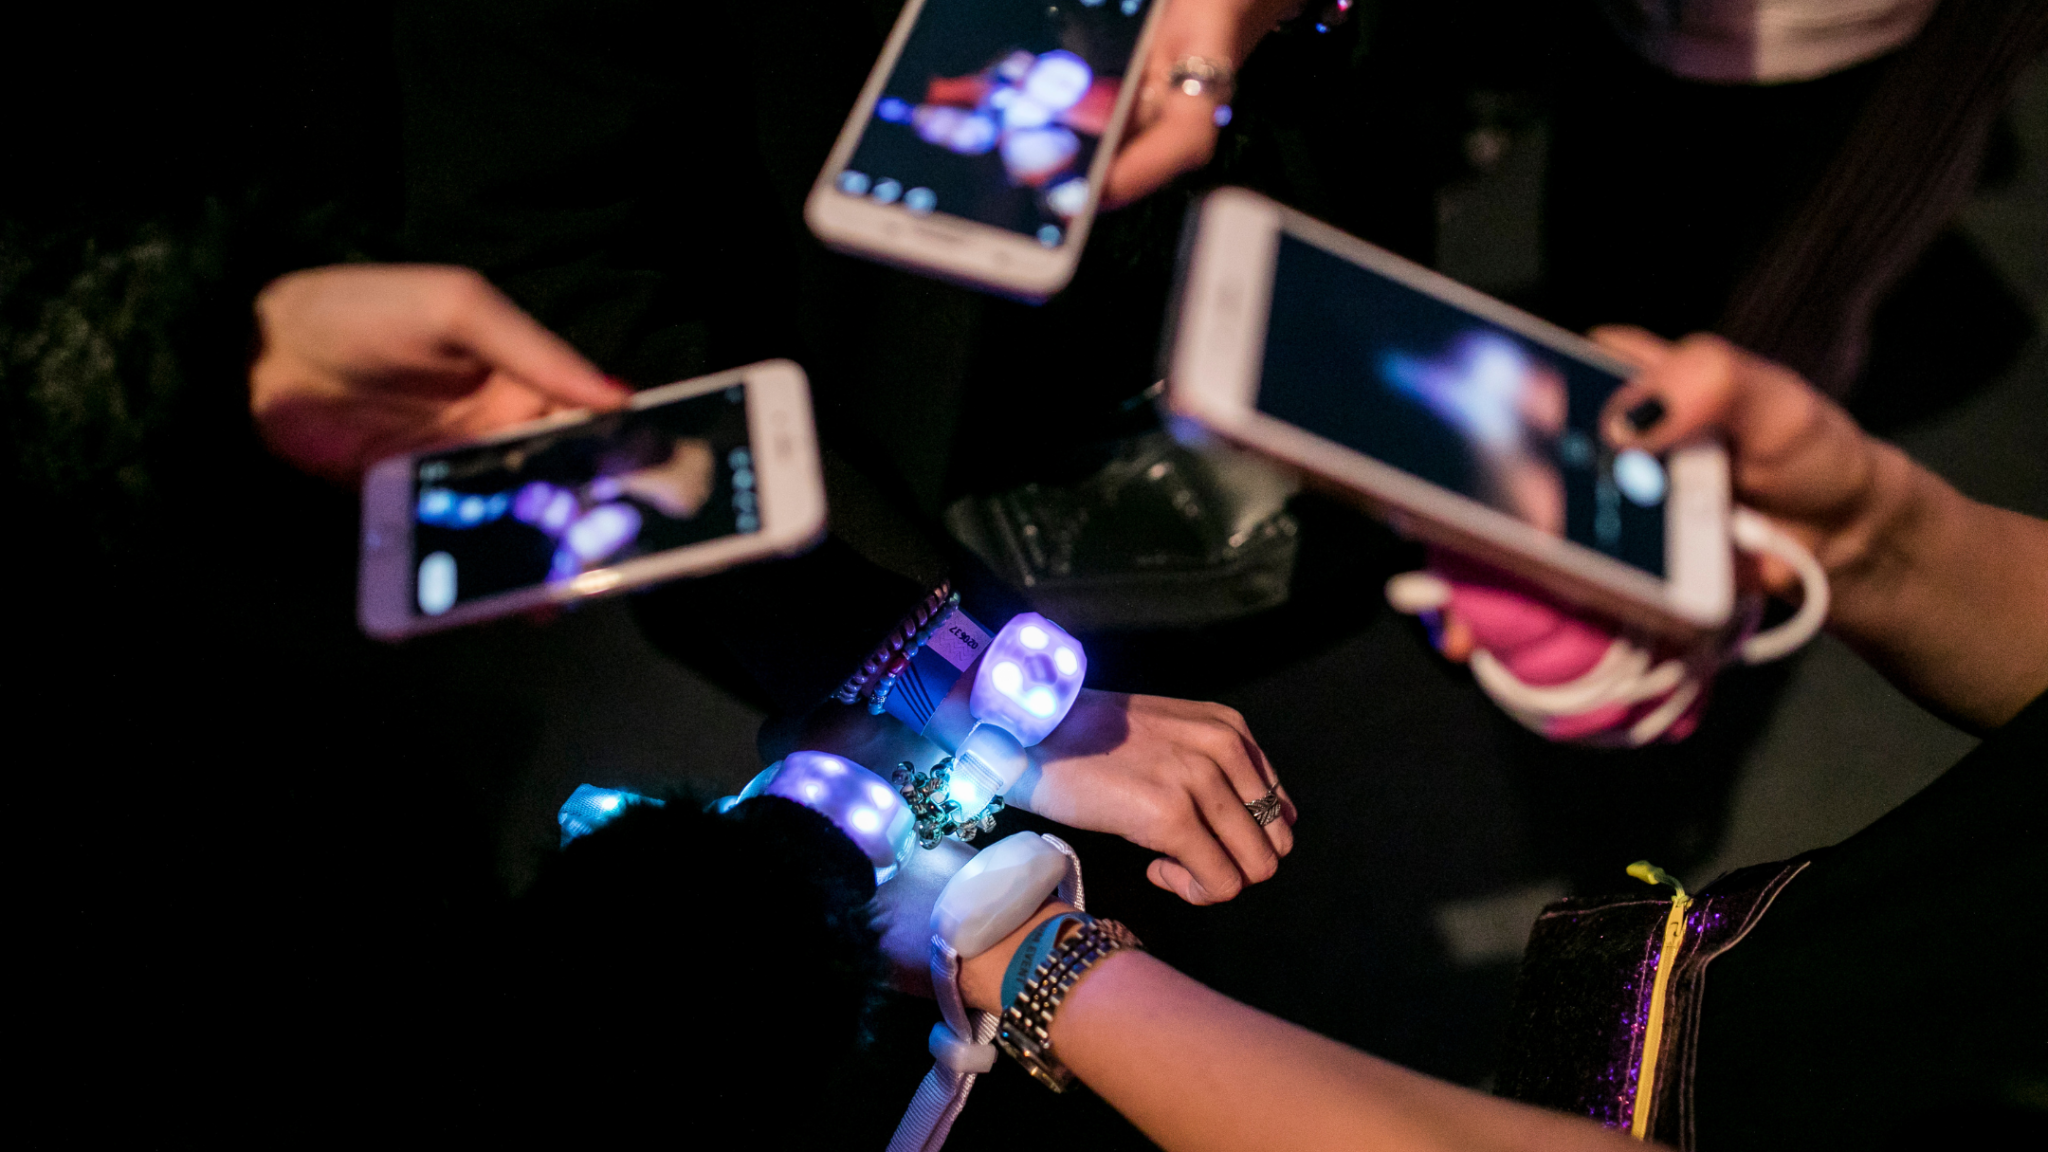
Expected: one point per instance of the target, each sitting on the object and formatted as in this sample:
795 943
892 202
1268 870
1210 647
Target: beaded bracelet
878 699
863 682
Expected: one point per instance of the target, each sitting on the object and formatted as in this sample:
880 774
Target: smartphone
978 147
688 479
1465 421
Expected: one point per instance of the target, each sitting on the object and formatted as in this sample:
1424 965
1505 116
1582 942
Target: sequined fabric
1574 1040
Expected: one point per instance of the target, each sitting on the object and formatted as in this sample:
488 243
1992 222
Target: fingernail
1647 414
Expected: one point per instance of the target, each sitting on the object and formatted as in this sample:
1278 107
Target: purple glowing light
1029 679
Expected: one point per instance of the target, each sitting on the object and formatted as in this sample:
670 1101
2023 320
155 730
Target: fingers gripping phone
978 147
1465 421
688 479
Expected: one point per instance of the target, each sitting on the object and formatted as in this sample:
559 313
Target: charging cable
1639 698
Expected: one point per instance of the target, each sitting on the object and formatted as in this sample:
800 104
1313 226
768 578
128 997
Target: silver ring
1265 809
1203 76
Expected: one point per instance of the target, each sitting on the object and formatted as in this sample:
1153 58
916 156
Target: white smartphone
690 478
978 147
1465 421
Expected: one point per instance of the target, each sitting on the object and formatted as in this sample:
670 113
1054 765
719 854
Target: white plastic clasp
957 1055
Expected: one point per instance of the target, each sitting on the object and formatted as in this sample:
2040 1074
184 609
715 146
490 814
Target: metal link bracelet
1025 1031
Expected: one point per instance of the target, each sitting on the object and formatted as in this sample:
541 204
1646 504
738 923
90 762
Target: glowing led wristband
1030 678
860 803
589 808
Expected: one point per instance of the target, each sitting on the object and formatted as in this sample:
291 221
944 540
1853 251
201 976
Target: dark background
249 840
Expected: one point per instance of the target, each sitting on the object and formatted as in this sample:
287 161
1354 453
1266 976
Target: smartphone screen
1454 399
995 110
551 507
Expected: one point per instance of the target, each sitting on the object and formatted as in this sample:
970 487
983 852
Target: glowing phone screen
995 110
1459 401
569 501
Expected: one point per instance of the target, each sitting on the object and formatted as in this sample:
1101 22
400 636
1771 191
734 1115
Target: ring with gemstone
1265 809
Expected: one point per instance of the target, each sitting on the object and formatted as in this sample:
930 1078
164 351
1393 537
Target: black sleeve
593 161
1892 997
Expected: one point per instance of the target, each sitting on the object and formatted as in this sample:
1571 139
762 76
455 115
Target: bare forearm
1197 1070
1949 598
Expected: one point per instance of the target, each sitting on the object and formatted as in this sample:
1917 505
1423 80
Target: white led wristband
985 699
863 805
989 898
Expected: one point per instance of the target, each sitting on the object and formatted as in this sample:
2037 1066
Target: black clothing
1893 992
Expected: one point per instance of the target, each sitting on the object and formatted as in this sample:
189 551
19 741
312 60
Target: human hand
1794 455
902 913
362 361
1172 133
1170 775
1942 594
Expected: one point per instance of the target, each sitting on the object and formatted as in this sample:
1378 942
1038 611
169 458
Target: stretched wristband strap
959 1042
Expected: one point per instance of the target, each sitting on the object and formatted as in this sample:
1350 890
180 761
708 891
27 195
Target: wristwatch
1025 1030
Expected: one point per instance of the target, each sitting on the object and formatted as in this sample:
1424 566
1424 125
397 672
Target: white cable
1753 533
962 1043
1624 675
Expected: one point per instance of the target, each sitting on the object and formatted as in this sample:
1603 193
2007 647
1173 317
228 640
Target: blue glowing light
861 803
589 808
988 765
445 508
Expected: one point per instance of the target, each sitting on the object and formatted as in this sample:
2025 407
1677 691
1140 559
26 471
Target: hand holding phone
979 146
360 361
1467 422
1173 133
687 479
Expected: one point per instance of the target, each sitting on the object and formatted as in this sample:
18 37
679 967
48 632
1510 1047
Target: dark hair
677 957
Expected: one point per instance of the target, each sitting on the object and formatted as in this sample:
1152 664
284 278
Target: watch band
1025 1032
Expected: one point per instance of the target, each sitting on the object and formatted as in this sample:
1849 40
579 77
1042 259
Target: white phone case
954 247
789 482
1217 360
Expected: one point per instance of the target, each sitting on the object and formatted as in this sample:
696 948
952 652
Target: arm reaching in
1173 133
1946 596
359 362
1198 1071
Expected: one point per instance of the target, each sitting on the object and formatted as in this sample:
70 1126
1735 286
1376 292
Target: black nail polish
1646 414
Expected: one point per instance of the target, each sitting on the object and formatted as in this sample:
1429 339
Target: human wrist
1886 541
981 978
